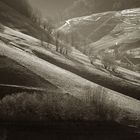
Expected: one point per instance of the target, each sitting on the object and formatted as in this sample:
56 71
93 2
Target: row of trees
63 44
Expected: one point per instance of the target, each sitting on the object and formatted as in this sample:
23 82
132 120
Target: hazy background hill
19 15
113 32
22 6
85 7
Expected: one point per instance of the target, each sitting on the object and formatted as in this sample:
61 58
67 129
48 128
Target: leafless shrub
63 46
1 28
48 26
36 16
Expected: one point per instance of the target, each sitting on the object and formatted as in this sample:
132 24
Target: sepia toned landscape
72 73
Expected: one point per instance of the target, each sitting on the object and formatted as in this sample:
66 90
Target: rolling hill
57 79
116 31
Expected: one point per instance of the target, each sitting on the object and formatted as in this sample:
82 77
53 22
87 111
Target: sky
51 7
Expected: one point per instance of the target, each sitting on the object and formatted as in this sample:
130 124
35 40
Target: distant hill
117 30
86 7
22 6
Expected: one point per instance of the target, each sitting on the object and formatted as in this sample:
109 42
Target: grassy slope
15 78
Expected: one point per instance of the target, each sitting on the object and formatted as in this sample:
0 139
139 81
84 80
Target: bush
41 107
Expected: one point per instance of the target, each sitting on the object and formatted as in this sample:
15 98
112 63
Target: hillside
110 32
66 81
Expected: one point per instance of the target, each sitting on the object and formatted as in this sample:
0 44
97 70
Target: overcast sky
51 7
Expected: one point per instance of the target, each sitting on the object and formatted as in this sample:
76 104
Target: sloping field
76 63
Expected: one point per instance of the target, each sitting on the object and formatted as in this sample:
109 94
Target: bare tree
57 41
108 61
36 16
48 26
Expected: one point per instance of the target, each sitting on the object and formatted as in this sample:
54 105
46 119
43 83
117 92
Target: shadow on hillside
12 73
